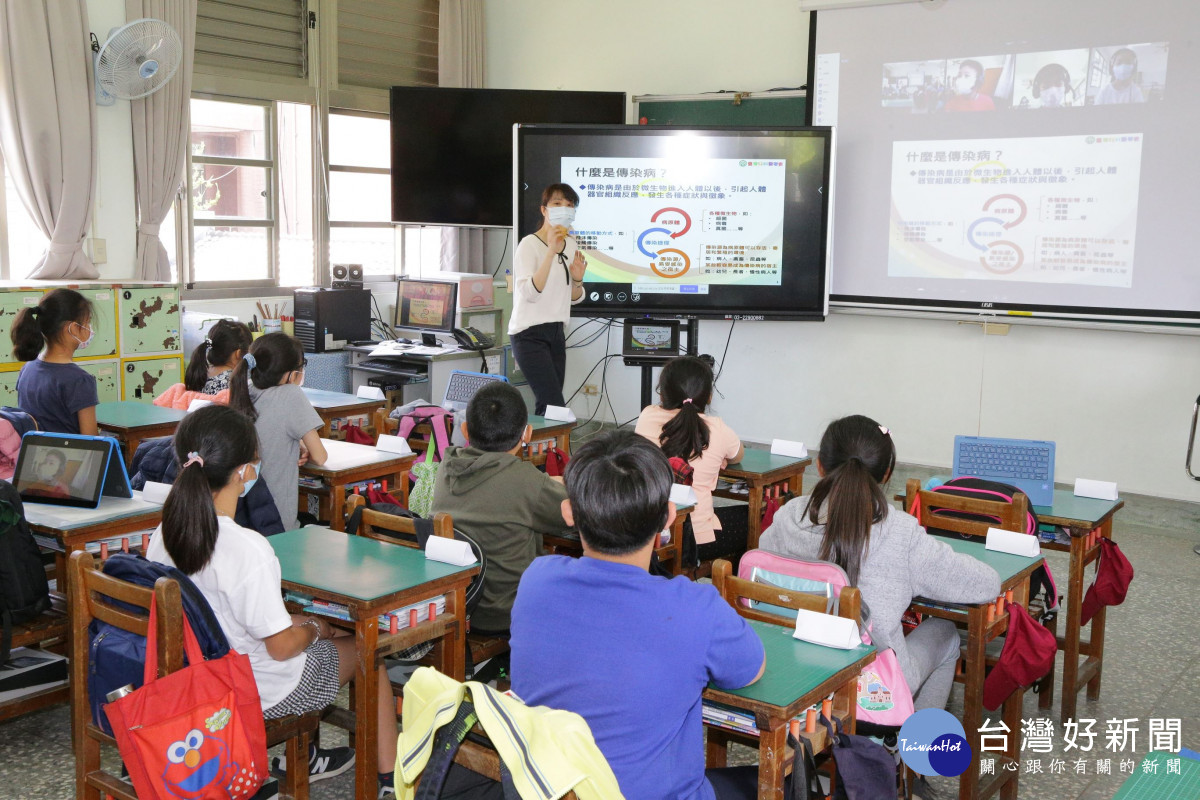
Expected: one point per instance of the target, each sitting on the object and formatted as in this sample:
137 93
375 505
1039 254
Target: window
21 241
251 192
360 194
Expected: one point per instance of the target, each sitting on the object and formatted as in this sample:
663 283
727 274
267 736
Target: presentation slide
670 225
985 163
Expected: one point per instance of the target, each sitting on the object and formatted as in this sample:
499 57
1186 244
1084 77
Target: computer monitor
426 306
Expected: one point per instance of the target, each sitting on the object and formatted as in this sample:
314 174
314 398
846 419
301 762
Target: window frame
271 164
330 223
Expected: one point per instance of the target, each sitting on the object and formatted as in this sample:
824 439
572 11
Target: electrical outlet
99 251
591 388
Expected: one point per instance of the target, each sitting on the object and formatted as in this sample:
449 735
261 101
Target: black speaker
347 276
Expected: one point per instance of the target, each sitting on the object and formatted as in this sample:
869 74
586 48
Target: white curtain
460 64
160 137
48 125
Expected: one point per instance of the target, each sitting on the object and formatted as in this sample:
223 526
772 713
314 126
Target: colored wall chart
679 224
1059 209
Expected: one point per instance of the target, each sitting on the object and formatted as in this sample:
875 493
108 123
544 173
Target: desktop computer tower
345 314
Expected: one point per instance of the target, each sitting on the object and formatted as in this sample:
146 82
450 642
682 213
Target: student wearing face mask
1122 67
1052 87
966 85
548 280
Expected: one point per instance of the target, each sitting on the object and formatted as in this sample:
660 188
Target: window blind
254 36
383 43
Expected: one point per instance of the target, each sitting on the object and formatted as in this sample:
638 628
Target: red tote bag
196 734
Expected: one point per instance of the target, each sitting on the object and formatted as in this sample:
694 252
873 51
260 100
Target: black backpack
24 590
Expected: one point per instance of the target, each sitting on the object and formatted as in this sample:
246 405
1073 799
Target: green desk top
132 414
323 399
1066 506
67 518
794 668
1005 564
541 423
353 566
761 461
1159 785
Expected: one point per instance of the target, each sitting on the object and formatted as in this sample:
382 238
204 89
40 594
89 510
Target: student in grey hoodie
885 552
497 498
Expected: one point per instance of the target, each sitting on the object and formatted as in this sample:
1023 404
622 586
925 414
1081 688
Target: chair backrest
443 524
751 599
1000 514
92 598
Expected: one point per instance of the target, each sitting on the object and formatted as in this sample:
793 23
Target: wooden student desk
1080 516
352 463
370 578
65 530
331 405
544 429
760 469
798 675
1014 574
133 422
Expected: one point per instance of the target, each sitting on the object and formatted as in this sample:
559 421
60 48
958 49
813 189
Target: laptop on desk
1024 463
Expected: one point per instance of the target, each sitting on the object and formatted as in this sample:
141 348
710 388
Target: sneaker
386 793
324 763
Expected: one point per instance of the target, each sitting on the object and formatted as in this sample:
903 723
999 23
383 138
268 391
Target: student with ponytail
298 662
58 393
684 432
885 552
213 359
265 386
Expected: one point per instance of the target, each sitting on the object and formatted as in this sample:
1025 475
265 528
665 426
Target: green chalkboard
721 109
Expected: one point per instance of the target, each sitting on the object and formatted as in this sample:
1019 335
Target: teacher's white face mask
560 215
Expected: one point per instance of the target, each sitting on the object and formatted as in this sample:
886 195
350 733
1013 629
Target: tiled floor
1152 648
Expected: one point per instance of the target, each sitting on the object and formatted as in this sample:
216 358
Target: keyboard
1024 463
463 385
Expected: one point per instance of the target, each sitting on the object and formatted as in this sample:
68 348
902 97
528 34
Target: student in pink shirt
967 85
679 425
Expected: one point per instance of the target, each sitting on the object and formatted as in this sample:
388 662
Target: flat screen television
714 222
452 148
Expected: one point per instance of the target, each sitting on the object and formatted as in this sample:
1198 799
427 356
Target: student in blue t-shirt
58 393
628 651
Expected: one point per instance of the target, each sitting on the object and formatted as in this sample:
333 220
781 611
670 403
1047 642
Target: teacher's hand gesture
578 266
556 237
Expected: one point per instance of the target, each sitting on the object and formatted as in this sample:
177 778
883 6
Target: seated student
885 552
498 499
628 651
54 390
680 426
298 662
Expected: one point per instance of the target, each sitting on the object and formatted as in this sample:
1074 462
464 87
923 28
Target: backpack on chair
24 590
425 468
884 697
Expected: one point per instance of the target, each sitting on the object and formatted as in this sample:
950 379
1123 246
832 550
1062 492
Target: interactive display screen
703 222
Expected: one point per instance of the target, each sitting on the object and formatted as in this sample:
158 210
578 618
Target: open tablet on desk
69 470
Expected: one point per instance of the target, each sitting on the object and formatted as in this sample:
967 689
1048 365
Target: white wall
1117 403
114 217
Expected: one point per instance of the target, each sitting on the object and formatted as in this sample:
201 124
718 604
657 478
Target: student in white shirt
298 662
547 281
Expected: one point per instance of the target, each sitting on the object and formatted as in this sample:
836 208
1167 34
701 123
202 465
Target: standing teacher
548 274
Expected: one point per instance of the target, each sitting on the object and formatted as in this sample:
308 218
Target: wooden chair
92 596
738 592
1011 517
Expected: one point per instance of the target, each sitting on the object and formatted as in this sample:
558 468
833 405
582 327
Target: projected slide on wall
1036 161
671 225
1059 209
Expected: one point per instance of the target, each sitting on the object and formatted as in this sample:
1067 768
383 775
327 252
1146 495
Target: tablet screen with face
61 469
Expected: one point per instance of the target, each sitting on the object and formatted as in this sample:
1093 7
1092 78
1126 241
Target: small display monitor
426 305
69 470
650 338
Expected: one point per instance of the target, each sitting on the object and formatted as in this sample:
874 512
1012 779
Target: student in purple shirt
628 651
59 394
